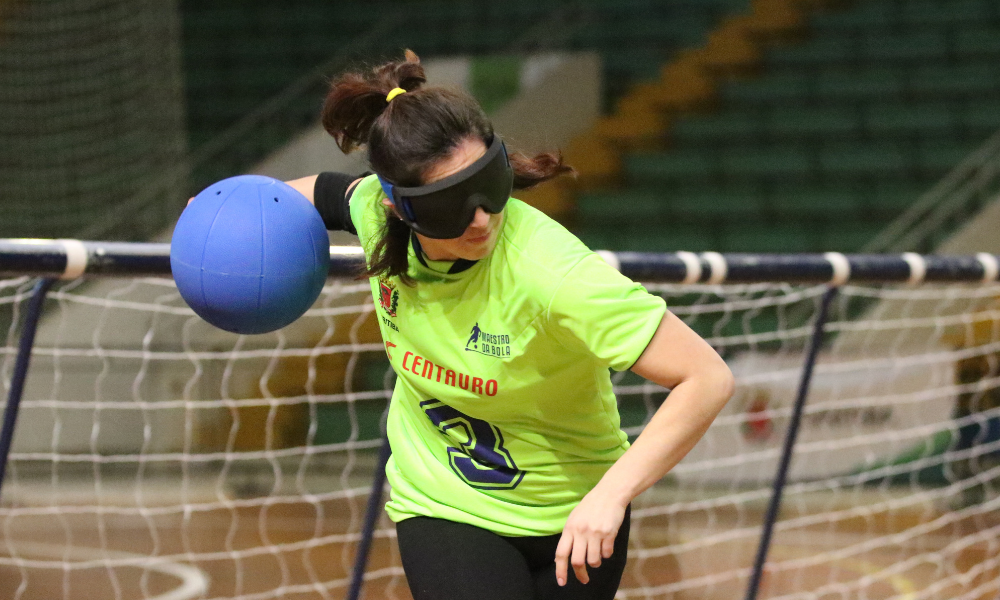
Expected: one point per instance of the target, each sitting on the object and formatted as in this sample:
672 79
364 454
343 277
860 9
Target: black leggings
445 560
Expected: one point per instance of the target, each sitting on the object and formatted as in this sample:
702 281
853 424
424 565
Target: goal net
156 457
91 118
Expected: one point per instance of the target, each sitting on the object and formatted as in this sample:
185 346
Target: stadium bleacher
837 136
237 55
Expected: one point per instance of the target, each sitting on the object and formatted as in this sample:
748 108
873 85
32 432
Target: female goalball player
508 461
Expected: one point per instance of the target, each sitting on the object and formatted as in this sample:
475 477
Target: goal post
158 457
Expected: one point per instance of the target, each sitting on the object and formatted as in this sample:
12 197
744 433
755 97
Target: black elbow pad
331 199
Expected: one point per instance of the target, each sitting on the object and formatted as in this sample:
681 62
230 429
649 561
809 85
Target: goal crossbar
69 259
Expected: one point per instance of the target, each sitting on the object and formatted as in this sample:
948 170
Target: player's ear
388 203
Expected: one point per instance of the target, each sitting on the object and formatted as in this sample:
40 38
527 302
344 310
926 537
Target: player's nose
481 220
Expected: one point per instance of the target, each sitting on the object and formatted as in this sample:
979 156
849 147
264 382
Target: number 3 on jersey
482 461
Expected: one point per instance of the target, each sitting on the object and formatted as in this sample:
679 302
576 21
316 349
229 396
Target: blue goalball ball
250 254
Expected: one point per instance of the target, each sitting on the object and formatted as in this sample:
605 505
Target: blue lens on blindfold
445 208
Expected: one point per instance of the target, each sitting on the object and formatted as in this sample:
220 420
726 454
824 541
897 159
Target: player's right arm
305 186
329 192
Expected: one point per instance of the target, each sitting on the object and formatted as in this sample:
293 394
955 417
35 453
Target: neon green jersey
503 415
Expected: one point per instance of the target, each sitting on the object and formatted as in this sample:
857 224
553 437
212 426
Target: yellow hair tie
395 92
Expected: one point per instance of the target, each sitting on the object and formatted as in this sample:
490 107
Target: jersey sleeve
598 310
366 211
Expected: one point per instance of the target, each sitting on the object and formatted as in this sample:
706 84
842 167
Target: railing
70 259
971 185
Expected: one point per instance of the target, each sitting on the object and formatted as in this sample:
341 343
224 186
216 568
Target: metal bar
771 517
372 513
51 258
20 374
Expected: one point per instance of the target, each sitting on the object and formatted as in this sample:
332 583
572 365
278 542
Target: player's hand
589 535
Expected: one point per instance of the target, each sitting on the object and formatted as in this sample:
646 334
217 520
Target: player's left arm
676 358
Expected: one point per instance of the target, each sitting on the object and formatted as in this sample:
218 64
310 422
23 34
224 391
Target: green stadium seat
727 126
939 158
894 119
768 89
653 206
710 7
772 163
517 12
978 42
964 79
883 15
983 115
478 40
321 45
600 34
955 12
807 202
856 160
885 196
861 16
849 236
675 238
819 50
687 31
348 17
617 206
680 236
611 34
906 46
788 165
714 204
643 7
766 236
634 64
653 166
820 121
734 6
859 84
426 41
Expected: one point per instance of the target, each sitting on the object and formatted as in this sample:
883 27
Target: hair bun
356 100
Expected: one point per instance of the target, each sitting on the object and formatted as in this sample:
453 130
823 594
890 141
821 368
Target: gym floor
287 549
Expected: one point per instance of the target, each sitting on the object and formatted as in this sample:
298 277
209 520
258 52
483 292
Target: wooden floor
265 552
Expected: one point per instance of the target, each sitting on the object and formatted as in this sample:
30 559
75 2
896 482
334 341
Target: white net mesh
158 457
91 118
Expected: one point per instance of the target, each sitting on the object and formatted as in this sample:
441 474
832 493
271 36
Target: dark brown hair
406 136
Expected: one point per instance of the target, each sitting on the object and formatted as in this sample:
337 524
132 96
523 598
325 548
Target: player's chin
477 248
477 254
